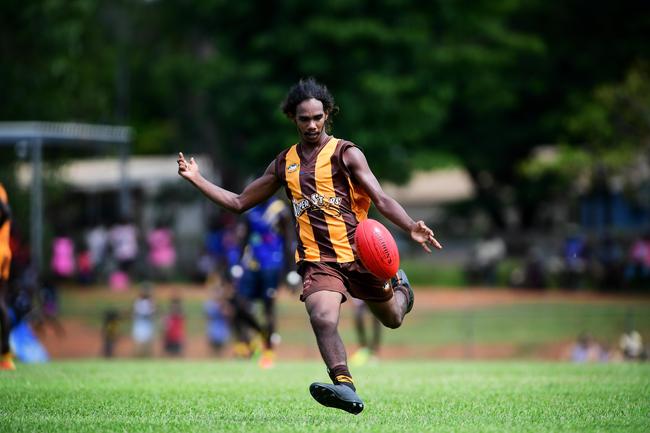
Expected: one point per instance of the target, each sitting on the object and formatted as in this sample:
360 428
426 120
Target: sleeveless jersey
327 204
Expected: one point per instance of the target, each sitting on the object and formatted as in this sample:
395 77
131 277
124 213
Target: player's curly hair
307 89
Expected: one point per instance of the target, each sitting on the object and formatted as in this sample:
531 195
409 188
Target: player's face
310 120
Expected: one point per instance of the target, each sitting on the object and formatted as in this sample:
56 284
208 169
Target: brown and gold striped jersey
327 204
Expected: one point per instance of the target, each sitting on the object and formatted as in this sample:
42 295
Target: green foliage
613 127
209 76
55 61
484 81
564 161
103 396
434 159
616 115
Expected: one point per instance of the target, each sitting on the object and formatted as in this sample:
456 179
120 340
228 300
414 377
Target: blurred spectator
223 242
85 273
637 270
22 294
217 320
144 311
575 255
586 349
110 332
631 344
50 298
174 328
63 257
242 321
162 253
97 243
24 308
48 308
485 258
119 280
214 239
206 268
222 250
264 262
532 274
123 239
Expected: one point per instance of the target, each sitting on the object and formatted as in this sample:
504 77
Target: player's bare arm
255 192
357 164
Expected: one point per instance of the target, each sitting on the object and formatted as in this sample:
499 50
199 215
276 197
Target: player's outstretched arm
357 164
255 192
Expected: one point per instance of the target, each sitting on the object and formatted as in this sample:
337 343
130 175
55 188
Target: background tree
481 83
607 145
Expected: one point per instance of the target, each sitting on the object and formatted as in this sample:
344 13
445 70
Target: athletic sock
340 375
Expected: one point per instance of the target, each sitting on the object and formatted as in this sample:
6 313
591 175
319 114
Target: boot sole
328 397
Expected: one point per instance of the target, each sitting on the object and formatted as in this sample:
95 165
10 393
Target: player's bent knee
322 321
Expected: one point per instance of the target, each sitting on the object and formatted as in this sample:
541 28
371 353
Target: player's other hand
187 169
423 235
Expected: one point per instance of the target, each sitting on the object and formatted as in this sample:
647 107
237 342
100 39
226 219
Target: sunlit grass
155 396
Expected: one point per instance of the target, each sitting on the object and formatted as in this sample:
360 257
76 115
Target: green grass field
166 396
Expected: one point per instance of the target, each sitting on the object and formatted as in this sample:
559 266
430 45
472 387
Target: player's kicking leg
391 313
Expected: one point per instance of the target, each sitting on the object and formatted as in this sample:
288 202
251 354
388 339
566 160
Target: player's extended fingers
426 247
429 235
423 227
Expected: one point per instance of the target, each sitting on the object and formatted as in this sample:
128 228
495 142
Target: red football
376 248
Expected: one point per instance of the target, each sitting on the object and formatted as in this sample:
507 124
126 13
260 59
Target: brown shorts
344 278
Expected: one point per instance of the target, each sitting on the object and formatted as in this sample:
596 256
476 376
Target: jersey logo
293 167
317 201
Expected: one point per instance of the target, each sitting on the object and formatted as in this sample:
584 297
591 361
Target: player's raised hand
187 169
423 235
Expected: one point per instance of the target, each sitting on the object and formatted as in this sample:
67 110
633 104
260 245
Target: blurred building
90 190
423 195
